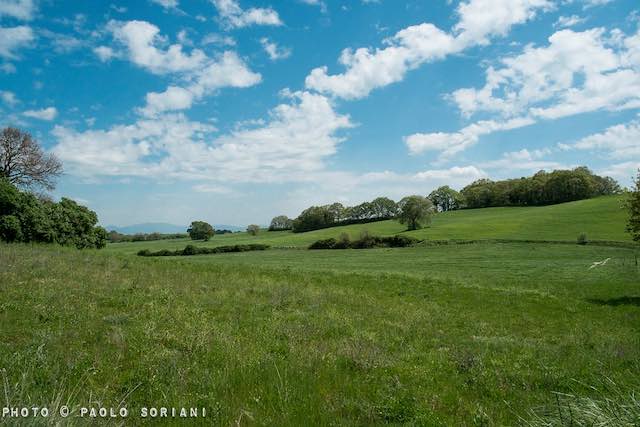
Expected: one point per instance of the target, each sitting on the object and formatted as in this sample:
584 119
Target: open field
445 335
601 218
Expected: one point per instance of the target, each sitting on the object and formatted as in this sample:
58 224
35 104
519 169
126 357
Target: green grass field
462 334
601 219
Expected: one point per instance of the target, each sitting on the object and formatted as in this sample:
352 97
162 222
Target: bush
324 244
366 241
10 230
191 250
582 239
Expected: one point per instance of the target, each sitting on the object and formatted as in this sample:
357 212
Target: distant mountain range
165 228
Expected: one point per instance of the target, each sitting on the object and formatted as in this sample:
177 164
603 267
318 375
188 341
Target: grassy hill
601 219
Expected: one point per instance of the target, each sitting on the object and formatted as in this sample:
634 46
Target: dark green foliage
191 250
10 230
633 205
281 223
318 217
115 237
366 241
541 189
325 244
25 218
200 230
415 212
582 239
446 199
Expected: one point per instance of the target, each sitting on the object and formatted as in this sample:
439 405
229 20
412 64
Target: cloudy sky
234 111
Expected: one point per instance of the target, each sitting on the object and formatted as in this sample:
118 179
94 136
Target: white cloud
47 114
274 51
104 53
174 98
568 21
295 141
620 142
167 4
368 69
217 39
14 38
320 3
449 144
8 97
523 160
142 40
227 71
19 9
233 16
577 72
482 19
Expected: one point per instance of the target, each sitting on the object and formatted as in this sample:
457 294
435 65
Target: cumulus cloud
568 21
14 38
368 69
19 9
200 73
47 114
577 72
104 53
233 16
142 39
619 142
295 141
274 51
227 71
448 144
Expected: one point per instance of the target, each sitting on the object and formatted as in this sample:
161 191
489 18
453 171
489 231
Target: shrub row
192 250
365 242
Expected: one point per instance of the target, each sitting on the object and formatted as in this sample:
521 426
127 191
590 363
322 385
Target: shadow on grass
614 302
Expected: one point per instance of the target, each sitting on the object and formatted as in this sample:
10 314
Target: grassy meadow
483 333
601 218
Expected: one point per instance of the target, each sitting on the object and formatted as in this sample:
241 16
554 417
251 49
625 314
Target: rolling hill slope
602 218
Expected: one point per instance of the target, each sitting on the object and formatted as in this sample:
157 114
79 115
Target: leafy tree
280 223
25 218
313 218
383 207
633 205
415 211
446 199
24 164
253 229
200 230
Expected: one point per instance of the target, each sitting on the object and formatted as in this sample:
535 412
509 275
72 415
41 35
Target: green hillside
601 219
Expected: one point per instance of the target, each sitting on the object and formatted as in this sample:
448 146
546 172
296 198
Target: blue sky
234 111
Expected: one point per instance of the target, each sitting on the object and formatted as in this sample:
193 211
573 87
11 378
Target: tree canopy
25 218
543 188
633 205
200 230
23 162
253 229
415 212
281 223
446 199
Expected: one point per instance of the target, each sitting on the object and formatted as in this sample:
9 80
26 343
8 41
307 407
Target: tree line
27 218
543 188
